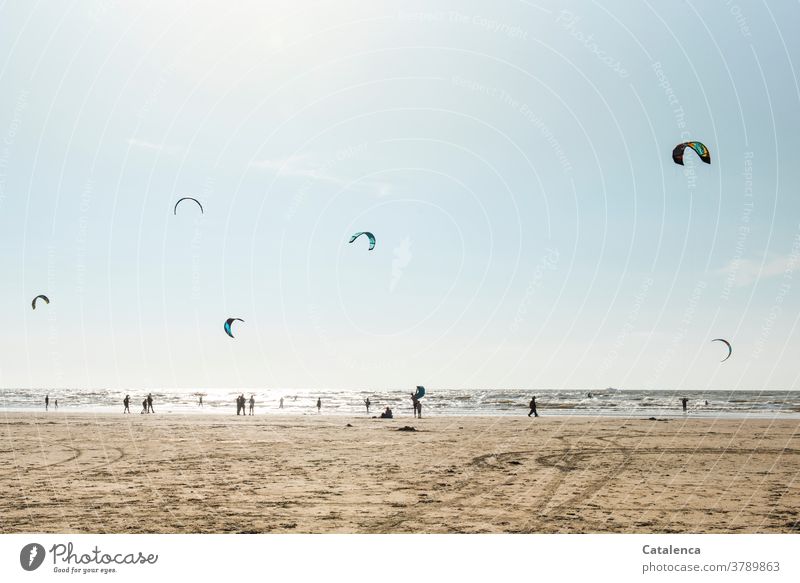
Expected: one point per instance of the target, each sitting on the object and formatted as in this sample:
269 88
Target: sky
512 158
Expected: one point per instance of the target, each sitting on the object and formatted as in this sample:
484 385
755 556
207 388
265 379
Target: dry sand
66 472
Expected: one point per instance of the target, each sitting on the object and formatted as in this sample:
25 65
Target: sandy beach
82 473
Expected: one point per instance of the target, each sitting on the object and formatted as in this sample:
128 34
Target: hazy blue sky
513 159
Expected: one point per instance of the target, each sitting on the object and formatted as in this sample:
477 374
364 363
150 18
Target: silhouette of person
684 401
239 405
387 414
56 404
201 400
252 404
419 408
127 402
46 402
144 405
414 403
280 403
367 404
150 403
319 405
532 405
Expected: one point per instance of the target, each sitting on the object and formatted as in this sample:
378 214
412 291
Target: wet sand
80 473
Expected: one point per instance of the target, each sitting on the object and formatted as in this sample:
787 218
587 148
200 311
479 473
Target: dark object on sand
348 425
407 428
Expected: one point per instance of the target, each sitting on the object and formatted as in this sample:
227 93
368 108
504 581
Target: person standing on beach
201 400
127 403
684 401
252 404
56 404
319 405
239 404
46 402
144 405
280 403
414 404
532 405
150 403
367 404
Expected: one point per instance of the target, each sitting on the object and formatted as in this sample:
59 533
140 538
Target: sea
610 402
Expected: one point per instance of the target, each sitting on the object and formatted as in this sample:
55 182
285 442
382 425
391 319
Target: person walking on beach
46 402
319 405
367 404
150 403
127 403
684 401
280 403
252 404
532 405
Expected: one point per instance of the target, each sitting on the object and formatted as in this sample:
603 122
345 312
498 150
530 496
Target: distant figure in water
387 414
684 400
590 395
706 403
252 404
201 400
532 405
127 402
280 403
46 402
367 404
150 403
319 405
144 405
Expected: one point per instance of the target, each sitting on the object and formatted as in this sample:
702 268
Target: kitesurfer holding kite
127 403
532 405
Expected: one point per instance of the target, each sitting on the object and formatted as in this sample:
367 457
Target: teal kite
699 147
369 235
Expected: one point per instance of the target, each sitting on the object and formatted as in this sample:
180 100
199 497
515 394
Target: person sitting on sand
127 403
252 404
532 405
387 414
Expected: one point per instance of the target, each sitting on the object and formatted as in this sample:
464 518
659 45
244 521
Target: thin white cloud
144 144
306 166
744 272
